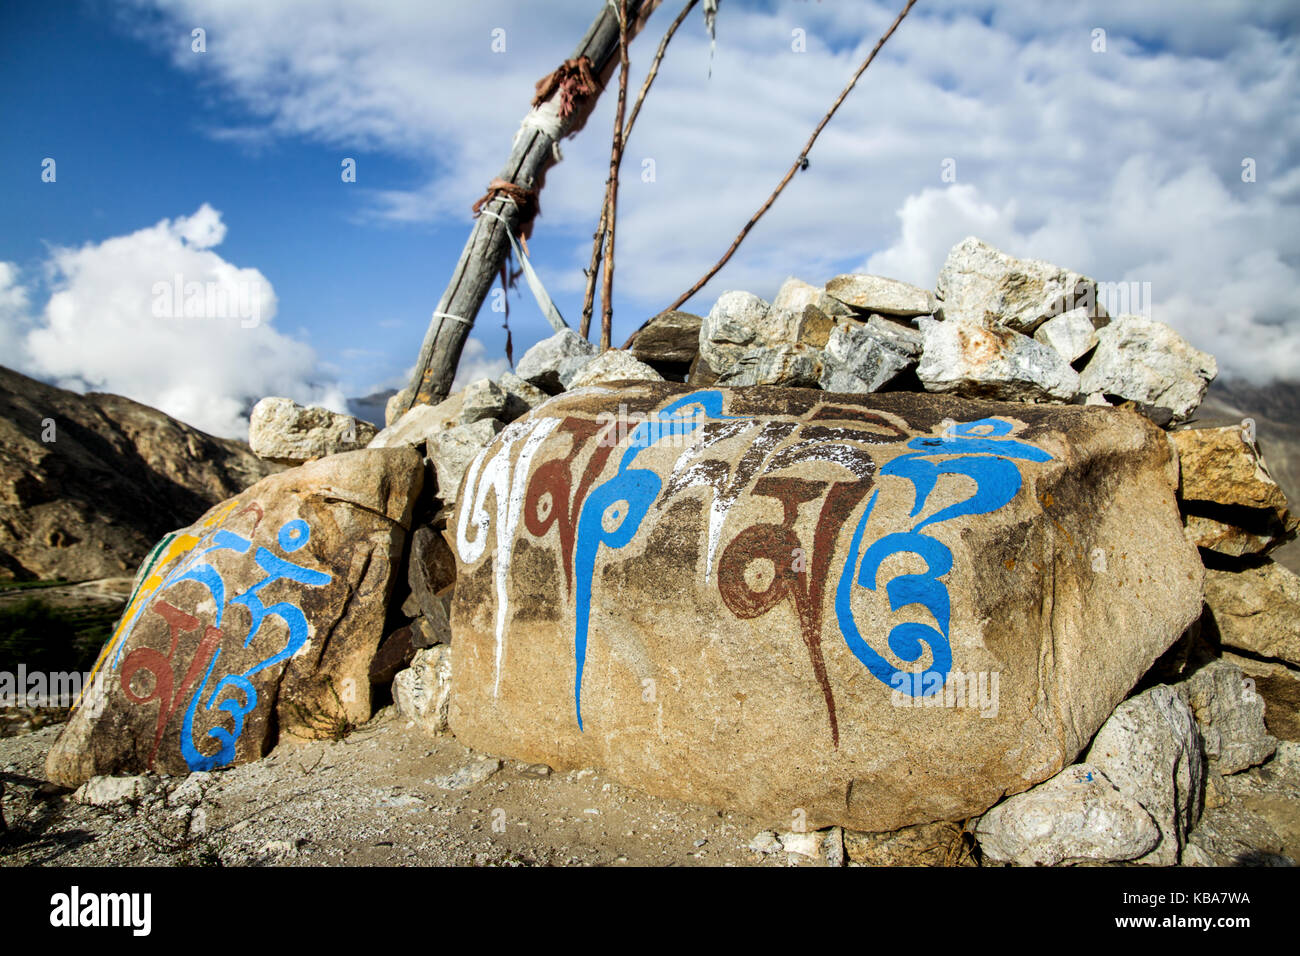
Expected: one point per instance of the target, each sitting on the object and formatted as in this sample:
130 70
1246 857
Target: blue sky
1124 163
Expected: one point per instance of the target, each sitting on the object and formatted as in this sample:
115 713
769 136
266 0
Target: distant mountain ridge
89 483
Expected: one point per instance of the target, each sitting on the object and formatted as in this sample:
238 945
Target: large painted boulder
263 614
872 611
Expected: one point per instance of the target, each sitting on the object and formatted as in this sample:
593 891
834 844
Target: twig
598 238
597 250
799 163
615 159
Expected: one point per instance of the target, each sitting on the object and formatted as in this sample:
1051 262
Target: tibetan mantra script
585 487
210 695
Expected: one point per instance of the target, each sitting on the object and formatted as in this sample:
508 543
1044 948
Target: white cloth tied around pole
545 119
534 282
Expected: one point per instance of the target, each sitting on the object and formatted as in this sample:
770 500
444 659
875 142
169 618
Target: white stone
1231 717
105 791
452 451
1151 750
1147 362
866 293
522 397
420 423
470 775
805 844
1076 816
191 790
553 362
614 365
976 361
281 430
1072 334
481 399
795 295
794 366
981 284
421 692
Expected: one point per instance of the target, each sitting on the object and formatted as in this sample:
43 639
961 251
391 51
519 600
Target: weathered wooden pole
532 154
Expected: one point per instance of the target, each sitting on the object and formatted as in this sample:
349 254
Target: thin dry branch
615 160
598 238
799 163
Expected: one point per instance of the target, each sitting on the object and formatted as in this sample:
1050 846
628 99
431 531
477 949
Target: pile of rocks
635 561
995 327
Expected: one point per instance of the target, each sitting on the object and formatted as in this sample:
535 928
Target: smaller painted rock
264 613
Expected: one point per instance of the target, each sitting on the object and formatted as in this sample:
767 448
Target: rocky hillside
88 483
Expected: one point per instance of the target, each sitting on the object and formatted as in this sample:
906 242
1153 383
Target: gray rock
452 451
430 568
482 399
431 627
1256 824
775 345
283 431
731 328
552 362
833 847
395 407
808 843
670 338
980 284
422 422
471 775
105 791
866 293
1279 686
1231 717
977 361
422 692
808 326
1076 816
1072 334
1151 750
1148 362
521 397
906 338
858 358
795 295
766 843
791 365
613 365
1257 610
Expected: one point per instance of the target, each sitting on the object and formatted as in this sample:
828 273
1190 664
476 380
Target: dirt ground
387 795
368 800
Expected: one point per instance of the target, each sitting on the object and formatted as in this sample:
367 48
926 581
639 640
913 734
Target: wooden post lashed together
485 251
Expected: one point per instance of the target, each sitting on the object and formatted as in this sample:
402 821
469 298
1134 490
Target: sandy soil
369 800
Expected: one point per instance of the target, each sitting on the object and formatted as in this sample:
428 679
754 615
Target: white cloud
475 363
935 220
1210 255
14 319
1122 163
159 317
